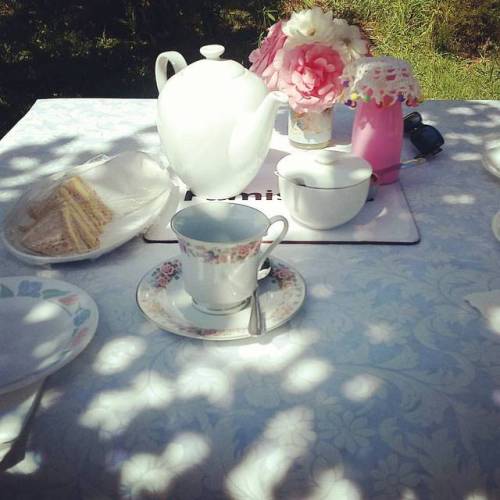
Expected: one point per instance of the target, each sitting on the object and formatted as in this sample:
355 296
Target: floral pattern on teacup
219 255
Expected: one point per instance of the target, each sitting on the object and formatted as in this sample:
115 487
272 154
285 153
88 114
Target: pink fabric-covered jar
377 136
376 87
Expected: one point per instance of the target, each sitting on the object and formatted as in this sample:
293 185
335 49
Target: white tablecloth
386 384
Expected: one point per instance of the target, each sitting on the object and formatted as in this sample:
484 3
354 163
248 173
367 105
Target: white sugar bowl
325 189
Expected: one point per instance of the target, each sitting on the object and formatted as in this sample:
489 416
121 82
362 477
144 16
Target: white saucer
163 300
44 324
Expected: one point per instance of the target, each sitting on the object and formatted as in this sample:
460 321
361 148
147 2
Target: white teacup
220 253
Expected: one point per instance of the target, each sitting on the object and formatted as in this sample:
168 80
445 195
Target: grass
425 33
108 49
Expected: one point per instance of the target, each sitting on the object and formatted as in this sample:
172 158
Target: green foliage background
107 48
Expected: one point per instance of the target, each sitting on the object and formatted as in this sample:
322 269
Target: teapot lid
326 169
213 67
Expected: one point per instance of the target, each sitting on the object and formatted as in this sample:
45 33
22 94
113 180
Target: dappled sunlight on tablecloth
306 375
477 495
379 333
333 485
111 411
287 436
208 382
361 387
466 156
146 473
459 199
117 354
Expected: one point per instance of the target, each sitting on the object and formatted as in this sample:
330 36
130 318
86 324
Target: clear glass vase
310 130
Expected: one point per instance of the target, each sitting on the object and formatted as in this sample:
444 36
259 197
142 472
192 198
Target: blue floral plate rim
77 303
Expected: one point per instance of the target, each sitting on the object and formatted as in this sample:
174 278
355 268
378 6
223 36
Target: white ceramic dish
136 185
324 190
491 154
163 300
495 225
45 324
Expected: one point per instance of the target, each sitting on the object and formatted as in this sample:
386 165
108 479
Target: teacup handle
270 248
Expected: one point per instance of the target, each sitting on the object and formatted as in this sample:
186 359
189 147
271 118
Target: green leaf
48 294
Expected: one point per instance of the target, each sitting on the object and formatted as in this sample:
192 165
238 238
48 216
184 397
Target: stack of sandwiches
70 220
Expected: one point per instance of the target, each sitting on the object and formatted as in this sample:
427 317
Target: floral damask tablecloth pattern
386 385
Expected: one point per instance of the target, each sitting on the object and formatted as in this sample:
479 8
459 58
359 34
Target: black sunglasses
426 138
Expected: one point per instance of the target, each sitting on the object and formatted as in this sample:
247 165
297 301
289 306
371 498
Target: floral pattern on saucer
281 296
168 271
219 255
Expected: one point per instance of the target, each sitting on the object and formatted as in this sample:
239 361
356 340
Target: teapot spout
251 137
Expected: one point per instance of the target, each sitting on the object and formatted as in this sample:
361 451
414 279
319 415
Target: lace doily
385 80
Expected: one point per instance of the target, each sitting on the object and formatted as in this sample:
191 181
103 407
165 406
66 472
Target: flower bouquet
304 57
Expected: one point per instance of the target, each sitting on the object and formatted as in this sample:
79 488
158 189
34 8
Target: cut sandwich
55 234
70 220
88 199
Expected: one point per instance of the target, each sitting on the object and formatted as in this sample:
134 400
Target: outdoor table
385 385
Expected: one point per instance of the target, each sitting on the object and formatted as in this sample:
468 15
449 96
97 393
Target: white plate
44 325
133 185
163 300
495 225
491 154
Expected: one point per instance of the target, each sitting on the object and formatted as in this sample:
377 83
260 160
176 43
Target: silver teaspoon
264 270
255 326
255 323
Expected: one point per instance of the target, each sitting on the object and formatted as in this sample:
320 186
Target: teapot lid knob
212 51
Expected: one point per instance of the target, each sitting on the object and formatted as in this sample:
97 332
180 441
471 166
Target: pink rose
263 56
310 75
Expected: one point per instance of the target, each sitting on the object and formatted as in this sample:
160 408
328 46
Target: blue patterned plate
44 324
163 300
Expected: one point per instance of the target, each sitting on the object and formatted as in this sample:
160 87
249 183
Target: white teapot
215 120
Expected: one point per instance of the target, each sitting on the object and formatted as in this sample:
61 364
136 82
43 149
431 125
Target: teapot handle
178 62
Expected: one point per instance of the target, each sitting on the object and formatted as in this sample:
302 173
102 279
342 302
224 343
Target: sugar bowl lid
326 169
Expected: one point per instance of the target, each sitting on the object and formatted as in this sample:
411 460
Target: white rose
349 40
309 26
